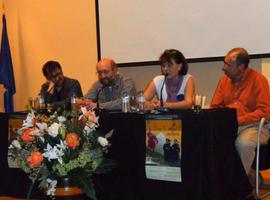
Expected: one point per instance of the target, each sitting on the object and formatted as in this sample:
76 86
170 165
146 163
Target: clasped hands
151 105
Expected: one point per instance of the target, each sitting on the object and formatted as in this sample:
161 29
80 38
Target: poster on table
163 147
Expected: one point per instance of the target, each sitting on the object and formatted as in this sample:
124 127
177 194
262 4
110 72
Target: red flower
35 159
27 135
72 140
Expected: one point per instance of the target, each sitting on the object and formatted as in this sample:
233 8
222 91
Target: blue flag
6 70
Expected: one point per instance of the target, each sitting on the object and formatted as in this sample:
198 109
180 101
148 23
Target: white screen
140 30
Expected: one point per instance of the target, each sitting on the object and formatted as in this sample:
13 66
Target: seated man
58 89
248 92
110 86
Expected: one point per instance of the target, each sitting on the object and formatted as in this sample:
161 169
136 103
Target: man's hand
51 87
89 103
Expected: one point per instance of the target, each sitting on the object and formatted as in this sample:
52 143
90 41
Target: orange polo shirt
250 97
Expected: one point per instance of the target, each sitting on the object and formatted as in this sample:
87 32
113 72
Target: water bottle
73 101
41 102
125 102
141 101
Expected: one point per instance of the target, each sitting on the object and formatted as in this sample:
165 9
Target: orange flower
27 135
35 159
72 140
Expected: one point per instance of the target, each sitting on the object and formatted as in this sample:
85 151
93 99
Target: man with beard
247 91
107 91
58 89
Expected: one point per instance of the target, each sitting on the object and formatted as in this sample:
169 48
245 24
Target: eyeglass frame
105 72
53 77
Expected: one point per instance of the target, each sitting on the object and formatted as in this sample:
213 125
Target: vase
66 190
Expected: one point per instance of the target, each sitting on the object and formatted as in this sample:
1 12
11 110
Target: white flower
61 119
53 129
16 144
28 122
86 130
103 141
51 186
91 118
36 132
62 145
53 153
42 127
84 110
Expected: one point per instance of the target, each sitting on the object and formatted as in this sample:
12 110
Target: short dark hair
242 56
172 54
49 67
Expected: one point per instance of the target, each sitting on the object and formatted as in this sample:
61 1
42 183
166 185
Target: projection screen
140 30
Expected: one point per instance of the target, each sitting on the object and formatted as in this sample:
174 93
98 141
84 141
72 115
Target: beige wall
39 30
65 30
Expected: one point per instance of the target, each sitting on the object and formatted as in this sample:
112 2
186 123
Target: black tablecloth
210 166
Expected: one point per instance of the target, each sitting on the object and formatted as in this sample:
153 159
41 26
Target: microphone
97 99
161 90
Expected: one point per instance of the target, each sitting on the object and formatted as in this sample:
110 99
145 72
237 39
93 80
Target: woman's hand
150 105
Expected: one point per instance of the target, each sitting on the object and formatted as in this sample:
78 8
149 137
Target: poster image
163 147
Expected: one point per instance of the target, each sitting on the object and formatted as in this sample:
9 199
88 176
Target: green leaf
109 134
86 185
106 165
30 189
63 133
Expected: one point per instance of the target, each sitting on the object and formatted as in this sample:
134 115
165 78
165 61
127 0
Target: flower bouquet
61 145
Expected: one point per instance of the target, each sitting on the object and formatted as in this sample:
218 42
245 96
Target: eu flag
6 70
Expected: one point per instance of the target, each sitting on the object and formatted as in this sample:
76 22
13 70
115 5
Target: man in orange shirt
248 92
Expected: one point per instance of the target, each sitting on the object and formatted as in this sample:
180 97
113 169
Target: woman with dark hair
177 86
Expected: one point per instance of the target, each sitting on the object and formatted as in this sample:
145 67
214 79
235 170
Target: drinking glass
133 104
32 103
198 103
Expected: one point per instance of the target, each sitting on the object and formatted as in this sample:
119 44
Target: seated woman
178 88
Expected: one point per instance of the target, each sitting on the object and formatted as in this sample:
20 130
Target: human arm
150 91
258 103
125 85
91 97
218 99
70 87
51 87
252 103
47 91
114 101
149 95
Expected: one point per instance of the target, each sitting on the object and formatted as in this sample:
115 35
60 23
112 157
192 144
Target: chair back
263 158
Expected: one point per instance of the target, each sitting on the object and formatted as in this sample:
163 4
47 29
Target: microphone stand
161 108
97 108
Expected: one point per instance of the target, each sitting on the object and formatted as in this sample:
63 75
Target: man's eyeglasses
105 72
54 76
228 64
